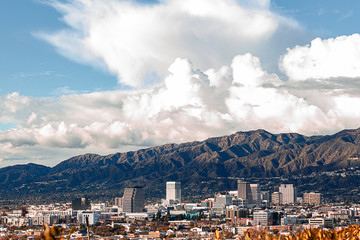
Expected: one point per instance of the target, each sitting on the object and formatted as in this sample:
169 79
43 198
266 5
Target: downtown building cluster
248 207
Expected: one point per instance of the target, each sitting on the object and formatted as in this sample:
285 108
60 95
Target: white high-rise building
222 200
288 193
173 192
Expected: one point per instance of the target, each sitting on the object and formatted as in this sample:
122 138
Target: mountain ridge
256 153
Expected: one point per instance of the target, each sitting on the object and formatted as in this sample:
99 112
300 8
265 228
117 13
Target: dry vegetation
351 232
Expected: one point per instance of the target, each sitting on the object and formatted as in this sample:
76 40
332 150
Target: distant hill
202 166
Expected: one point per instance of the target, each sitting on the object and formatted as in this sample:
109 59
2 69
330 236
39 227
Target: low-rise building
92 216
321 222
262 218
236 213
18 221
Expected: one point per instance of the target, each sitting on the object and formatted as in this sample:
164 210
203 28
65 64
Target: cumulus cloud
190 104
254 105
11 106
323 59
134 41
203 90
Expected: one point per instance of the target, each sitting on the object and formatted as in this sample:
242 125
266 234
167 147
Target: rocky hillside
201 166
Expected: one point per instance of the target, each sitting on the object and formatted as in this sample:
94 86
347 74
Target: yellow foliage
351 232
217 234
55 232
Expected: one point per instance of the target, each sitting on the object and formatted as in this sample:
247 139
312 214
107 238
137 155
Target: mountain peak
256 153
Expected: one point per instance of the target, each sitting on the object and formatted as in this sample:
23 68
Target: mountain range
201 166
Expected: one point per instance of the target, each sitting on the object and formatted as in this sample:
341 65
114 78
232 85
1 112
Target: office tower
222 200
23 210
133 199
288 193
265 196
277 198
244 191
119 201
173 192
312 198
255 194
80 204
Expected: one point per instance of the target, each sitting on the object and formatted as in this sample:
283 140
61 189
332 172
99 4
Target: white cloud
11 107
214 96
133 40
255 103
188 105
329 58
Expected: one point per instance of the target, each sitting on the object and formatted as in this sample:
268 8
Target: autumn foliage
351 232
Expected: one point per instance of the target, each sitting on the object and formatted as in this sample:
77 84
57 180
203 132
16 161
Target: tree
158 215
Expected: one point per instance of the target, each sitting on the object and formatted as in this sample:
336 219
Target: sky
94 76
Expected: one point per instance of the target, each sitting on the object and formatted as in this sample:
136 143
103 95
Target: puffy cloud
18 137
322 59
11 107
255 102
134 41
13 102
190 104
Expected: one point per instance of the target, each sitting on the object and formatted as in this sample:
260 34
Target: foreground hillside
202 167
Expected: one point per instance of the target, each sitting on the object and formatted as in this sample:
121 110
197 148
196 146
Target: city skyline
233 218
105 77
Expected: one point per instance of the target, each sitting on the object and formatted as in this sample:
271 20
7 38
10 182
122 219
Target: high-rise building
244 191
133 200
312 198
288 193
221 200
265 197
255 194
23 210
119 201
173 192
80 204
276 198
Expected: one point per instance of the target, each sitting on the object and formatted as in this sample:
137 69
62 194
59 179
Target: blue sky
32 67
323 18
108 76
